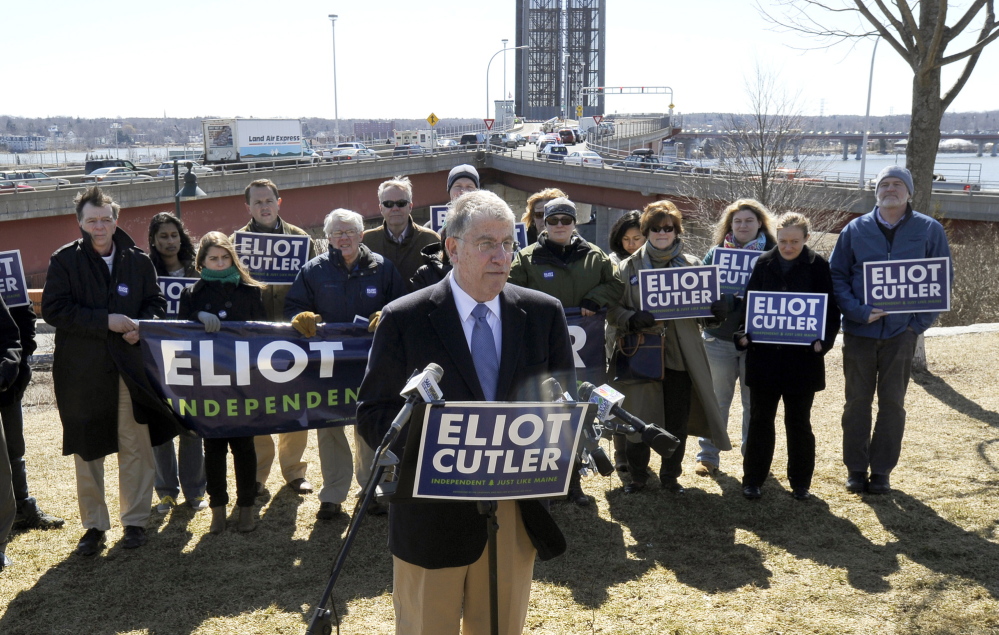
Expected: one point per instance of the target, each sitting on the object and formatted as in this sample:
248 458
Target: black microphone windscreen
585 390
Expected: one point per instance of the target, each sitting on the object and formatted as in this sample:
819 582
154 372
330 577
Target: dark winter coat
24 317
791 368
230 302
406 256
79 295
325 286
435 267
10 349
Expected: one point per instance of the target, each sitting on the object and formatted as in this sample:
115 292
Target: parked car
519 138
584 158
357 145
473 139
567 137
166 168
404 150
31 177
534 136
350 154
7 187
553 152
107 175
94 164
447 143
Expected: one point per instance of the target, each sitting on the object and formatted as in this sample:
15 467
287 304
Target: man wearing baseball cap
878 346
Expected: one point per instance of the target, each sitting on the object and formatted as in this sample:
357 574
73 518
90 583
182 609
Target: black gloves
641 320
589 305
719 309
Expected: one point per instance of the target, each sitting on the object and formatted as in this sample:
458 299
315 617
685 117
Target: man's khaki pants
291 449
136 474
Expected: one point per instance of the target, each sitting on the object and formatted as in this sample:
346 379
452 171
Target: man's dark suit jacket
424 327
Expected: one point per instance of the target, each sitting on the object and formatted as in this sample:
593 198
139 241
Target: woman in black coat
225 292
794 373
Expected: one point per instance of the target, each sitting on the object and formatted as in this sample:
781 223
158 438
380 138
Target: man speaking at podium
495 342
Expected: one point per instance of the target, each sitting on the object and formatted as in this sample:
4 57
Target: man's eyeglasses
391 204
488 246
555 220
667 230
350 233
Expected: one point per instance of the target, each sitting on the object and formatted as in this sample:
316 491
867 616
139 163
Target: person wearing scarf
745 224
683 401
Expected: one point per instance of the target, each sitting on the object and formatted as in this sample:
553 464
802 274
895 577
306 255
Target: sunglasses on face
667 230
555 220
391 204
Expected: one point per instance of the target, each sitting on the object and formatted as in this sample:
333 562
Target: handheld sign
920 285
272 258
437 215
13 286
587 336
779 317
520 235
675 293
171 287
734 268
495 451
253 378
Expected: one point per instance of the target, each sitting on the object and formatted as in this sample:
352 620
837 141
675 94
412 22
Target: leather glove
719 309
641 320
305 323
210 320
373 321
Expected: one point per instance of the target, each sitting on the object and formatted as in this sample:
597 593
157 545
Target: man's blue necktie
484 352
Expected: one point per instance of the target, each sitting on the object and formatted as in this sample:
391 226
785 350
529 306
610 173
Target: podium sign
494 450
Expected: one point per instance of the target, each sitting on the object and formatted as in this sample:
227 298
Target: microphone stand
321 623
488 509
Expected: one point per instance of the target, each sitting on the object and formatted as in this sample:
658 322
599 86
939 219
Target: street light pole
336 109
502 50
504 81
867 117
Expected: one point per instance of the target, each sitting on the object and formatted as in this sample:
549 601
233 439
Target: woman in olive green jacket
683 402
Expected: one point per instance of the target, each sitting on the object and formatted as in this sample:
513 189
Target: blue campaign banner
437 215
254 378
908 286
779 317
171 287
497 451
520 235
13 286
734 268
675 293
587 334
272 258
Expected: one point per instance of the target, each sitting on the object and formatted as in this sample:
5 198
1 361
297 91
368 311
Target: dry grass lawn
924 559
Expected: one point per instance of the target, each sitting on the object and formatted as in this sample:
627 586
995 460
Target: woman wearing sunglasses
565 266
683 399
534 215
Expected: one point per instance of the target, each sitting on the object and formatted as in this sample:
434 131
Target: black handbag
639 356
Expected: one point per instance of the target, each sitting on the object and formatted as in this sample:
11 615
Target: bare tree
919 33
753 160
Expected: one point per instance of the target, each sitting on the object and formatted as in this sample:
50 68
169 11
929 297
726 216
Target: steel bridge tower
567 41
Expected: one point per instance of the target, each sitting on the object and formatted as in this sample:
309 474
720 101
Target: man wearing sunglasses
263 203
567 267
399 239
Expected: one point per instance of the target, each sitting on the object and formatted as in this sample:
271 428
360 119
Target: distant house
23 143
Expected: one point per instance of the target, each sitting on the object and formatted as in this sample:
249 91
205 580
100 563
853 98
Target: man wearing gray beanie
877 346
462 179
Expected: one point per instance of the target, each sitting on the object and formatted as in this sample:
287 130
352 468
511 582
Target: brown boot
246 523
218 520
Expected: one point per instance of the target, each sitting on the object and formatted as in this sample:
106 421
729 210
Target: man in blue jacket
877 346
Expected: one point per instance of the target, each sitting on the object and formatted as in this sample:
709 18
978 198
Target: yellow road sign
432 119
579 111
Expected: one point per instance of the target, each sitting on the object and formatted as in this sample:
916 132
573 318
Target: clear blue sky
405 59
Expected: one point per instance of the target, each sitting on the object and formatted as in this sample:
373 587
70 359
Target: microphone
553 389
421 386
608 400
589 454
